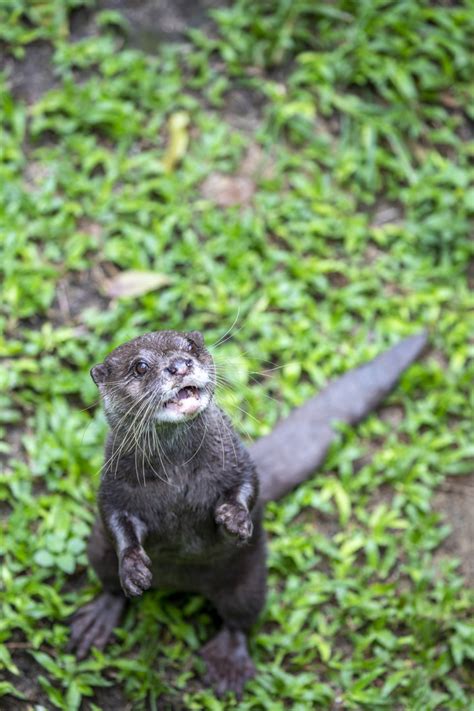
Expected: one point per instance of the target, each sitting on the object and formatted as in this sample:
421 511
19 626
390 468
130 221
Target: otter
181 498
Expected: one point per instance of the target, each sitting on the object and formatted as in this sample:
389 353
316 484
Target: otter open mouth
187 401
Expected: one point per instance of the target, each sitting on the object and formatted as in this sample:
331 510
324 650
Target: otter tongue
184 393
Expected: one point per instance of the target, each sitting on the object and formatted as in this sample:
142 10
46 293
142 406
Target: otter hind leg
228 662
93 624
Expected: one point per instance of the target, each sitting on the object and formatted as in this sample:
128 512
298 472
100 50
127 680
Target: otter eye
190 346
141 367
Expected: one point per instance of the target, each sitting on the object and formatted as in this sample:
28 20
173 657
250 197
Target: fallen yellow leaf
178 139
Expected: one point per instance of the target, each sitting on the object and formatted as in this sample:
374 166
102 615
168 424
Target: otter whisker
225 382
146 430
159 451
245 412
229 330
249 414
91 419
222 443
126 439
200 445
142 418
232 387
229 433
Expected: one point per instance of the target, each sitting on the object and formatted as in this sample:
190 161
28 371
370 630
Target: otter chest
179 515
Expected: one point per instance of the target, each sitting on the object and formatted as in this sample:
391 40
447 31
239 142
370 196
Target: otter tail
298 445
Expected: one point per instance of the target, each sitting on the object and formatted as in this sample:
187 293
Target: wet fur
179 507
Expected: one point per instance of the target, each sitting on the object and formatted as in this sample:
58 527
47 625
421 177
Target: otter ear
99 373
196 336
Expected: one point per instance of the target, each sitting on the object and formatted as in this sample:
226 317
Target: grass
357 233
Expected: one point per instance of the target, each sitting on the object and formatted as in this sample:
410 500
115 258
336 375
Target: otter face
166 376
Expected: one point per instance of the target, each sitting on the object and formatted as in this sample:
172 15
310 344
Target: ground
295 179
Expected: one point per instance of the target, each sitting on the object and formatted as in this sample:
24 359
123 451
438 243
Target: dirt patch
75 293
227 190
13 436
148 25
29 78
387 214
26 682
393 414
244 109
470 274
110 698
151 22
455 501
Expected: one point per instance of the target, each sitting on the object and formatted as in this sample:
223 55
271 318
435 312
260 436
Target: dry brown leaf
134 283
227 190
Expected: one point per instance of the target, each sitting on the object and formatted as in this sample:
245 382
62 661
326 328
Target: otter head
166 376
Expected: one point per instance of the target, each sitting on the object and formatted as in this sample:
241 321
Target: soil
455 501
149 24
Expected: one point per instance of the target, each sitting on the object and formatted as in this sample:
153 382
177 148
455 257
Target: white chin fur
186 409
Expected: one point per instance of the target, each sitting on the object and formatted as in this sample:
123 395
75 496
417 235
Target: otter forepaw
134 570
236 521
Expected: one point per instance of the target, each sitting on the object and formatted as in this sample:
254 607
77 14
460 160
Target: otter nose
179 366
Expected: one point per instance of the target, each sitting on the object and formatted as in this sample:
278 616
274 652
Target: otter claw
135 574
236 521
